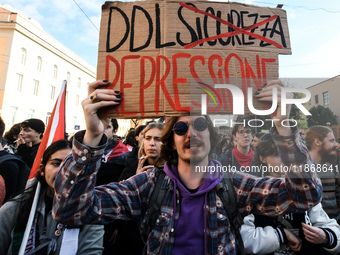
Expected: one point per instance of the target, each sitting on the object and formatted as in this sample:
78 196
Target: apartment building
326 93
32 67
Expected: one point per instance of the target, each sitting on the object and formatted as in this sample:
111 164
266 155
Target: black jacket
27 154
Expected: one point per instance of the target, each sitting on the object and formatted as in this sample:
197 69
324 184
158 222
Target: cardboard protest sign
160 54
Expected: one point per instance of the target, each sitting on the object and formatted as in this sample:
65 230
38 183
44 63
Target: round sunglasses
199 124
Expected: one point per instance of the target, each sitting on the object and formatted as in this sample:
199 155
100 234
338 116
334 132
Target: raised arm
300 190
266 95
77 201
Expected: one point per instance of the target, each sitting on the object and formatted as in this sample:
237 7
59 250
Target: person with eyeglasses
192 218
242 155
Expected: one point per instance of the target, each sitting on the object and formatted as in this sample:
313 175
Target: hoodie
189 237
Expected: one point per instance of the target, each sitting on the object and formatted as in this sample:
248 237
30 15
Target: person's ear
317 142
263 159
41 170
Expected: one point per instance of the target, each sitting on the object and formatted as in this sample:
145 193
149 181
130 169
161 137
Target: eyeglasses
244 132
199 124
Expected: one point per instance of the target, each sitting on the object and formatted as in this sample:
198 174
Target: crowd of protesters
98 200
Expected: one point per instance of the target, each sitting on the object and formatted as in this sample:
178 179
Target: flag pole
30 220
49 137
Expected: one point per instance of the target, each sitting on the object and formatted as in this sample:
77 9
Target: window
12 114
39 63
36 87
77 100
325 98
52 92
55 72
23 56
19 84
48 115
316 99
68 77
79 83
30 114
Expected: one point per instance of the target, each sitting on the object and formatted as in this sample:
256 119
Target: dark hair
115 125
236 126
265 147
139 129
231 144
15 130
54 147
224 141
314 132
259 134
27 196
131 139
26 126
2 127
168 153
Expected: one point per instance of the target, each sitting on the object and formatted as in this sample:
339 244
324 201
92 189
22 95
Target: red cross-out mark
236 32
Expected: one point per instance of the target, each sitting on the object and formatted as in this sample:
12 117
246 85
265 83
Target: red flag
55 129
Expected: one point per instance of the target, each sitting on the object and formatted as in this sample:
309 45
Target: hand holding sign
157 52
98 98
266 95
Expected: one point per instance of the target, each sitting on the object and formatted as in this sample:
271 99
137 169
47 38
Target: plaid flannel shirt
79 202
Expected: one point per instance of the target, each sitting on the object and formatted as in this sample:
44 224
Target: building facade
32 67
326 93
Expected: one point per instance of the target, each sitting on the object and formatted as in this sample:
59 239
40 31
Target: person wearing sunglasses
191 218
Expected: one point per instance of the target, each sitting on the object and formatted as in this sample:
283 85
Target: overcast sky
313 26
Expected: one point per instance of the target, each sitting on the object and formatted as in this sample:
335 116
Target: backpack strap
155 203
9 157
226 192
230 157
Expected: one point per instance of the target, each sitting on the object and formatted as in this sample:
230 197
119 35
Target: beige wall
332 86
